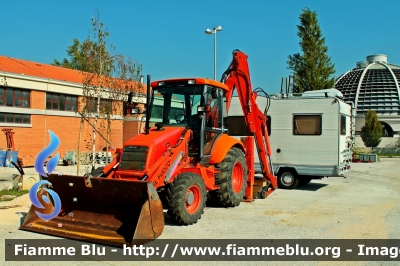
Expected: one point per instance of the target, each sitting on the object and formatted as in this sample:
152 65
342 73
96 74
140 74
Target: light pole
214 31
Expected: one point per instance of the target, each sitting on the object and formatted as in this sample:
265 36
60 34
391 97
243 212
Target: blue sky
168 39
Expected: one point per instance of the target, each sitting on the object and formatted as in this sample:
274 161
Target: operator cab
196 104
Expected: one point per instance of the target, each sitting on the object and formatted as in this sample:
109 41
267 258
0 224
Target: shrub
371 132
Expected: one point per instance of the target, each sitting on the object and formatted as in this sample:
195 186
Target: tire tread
175 197
225 196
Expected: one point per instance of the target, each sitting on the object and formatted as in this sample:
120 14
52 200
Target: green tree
75 55
79 54
371 132
107 79
312 68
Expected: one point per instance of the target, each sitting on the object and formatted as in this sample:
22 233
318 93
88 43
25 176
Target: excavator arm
237 76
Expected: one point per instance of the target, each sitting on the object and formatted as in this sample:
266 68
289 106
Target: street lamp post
214 31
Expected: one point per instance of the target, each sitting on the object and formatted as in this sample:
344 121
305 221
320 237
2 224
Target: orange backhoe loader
184 152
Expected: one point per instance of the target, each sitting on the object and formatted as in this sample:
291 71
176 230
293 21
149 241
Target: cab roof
201 81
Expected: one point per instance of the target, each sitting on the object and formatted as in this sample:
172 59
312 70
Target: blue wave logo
33 196
46 152
39 167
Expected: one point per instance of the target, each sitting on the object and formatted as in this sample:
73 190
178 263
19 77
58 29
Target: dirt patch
9 207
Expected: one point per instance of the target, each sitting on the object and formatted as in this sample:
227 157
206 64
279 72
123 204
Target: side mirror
130 96
132 111
135 111
214 94
206 108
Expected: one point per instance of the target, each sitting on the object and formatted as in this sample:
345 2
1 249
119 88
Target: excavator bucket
105 211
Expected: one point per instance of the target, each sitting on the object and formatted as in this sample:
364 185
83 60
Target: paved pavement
365 205
8 174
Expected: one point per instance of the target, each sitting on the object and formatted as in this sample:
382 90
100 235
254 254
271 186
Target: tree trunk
108 135
78 163
94 135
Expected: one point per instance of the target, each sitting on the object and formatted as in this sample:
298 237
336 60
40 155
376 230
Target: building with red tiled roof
36 97
39 70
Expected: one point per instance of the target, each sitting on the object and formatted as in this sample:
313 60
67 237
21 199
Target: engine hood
157 142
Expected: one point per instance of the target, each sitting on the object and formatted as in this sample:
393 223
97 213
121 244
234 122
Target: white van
311 135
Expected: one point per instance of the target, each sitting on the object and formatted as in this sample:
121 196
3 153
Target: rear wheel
186 198
304 180
232 179
287 179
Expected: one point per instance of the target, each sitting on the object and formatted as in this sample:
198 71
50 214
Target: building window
343 125
307 124
15 118
55 101
14 97
106 106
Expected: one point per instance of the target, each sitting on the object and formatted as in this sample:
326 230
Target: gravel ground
365 205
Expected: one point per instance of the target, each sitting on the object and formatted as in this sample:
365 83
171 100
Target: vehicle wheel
263 194
288 180
232 180
186 198
162 193
304 181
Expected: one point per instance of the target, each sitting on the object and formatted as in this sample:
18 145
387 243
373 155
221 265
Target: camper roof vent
323 93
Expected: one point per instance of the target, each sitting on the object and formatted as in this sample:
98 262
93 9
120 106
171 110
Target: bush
371 139
371 132
10 194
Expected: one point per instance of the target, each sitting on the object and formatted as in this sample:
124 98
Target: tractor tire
186 198
287 179
232 180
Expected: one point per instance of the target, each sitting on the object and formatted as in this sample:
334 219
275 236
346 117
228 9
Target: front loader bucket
100 210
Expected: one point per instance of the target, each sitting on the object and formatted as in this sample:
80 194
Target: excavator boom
237 76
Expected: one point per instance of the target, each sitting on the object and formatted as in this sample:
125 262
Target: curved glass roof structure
372 85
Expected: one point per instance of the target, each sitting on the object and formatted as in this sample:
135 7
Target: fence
86 157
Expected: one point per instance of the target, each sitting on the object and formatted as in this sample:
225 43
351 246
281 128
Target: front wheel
186 198
287 179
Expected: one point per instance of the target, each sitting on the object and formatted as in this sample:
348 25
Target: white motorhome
311 135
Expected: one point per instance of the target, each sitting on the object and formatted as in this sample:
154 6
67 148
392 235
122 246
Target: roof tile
34 69
18 66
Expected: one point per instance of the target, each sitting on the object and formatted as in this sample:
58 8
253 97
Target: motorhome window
307 124
343 125
237 126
